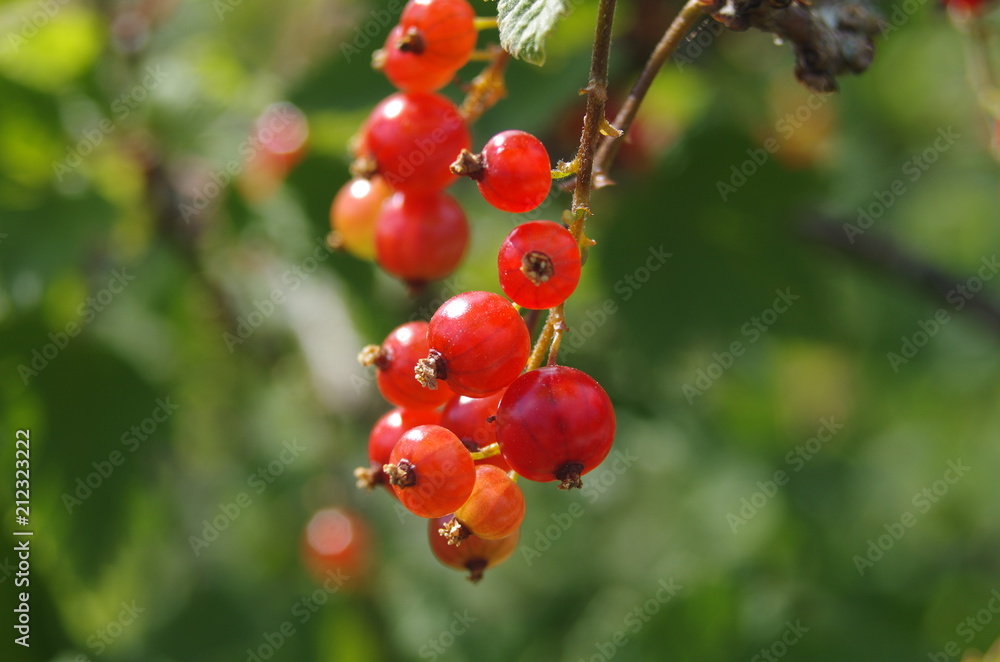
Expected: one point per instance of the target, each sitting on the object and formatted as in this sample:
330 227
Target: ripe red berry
494 510
433 40
353 214
336 541
539 264
414 137
394 362
474 554
479 344
431 471
469 418
420 237
383 438
555 423
513 171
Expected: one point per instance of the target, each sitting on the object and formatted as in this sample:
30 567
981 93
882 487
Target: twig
682 25
884 255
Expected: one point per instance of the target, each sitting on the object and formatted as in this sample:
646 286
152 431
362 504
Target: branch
682 25
883 255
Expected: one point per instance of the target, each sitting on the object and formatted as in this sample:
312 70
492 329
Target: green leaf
525 24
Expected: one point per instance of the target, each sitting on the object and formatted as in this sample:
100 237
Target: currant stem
594 120
490 450
682 25
485 23
487 88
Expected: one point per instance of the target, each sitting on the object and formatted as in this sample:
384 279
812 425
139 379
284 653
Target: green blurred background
846 559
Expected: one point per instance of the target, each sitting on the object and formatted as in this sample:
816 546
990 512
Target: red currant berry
420 237
539 264
336 540
474 555
431 471
555 423
433 40
513 171
479 344
413 137
394 362
470 419
382 439
353 214
494 510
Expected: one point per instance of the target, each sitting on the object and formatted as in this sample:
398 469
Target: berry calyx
383 438
478 344
494 510
539 264
513 172
420 237
555 423
430 471
474 555
434 39
394 361
353 214
413 137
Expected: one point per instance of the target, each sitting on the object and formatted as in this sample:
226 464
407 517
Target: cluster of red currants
415 143
471 414
468 422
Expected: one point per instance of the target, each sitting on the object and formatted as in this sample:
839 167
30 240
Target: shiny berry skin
555 423
353 213
431 471
516 173
469 419
394 364
383 438
414 137
420 237
336 541
539 264
479 344
494 510
474 554
433 40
